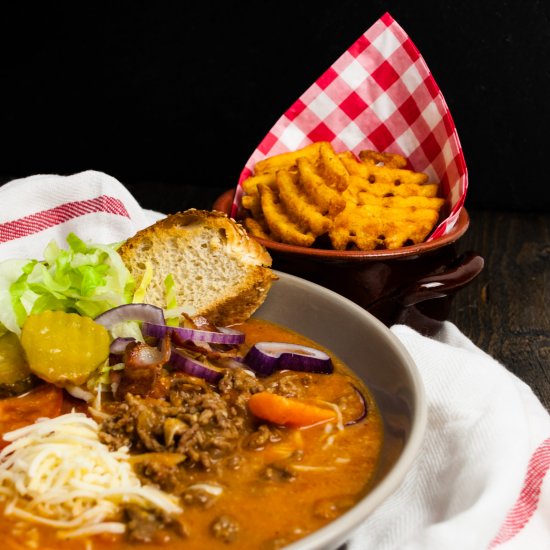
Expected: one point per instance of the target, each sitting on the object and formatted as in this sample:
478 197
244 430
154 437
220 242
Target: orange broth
334 472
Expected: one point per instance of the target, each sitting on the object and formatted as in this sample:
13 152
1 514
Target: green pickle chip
64 348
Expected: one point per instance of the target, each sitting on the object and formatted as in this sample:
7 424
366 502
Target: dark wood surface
505 311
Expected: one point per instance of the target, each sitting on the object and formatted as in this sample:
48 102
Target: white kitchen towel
480 480
39 208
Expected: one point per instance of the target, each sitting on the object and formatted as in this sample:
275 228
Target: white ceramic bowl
379 358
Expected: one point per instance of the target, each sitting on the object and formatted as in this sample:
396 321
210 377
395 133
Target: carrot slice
287 411
15 412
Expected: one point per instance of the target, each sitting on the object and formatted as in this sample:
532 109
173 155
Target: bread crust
219 271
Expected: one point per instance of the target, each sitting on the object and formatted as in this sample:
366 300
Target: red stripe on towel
528 499
29 225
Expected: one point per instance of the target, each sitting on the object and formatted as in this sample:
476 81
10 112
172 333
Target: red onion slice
131 312
182 362
225 336
266 357
232 336
118 345
260 362
364 409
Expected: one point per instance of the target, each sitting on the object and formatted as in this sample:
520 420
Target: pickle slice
15 374
64 348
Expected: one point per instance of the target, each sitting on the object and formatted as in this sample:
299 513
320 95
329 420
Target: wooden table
506 310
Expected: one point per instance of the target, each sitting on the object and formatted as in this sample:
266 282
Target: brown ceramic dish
413 285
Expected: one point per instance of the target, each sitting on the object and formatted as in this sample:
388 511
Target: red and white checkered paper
381 95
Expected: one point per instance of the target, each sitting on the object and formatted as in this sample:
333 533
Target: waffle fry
359 203
329 201
368 227
331 168
298 205
287 161
256 228
390 160
358 185
376 173
280 225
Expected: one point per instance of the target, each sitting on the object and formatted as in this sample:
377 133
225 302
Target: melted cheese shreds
305 468
214 490
339 416
56 472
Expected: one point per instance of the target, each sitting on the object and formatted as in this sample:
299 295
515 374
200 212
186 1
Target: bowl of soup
305 427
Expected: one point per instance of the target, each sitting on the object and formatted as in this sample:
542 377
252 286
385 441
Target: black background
181 93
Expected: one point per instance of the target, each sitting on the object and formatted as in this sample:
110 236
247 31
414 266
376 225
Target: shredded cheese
305 468
339 416
214 490
330 426
56 472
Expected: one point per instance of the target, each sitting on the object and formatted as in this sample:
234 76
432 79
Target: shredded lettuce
127 329
84 278
10 271
139 295
101 377
170 300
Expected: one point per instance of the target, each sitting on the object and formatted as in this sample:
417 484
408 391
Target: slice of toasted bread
219 271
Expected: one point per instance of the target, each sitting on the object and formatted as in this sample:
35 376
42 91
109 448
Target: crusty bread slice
219 271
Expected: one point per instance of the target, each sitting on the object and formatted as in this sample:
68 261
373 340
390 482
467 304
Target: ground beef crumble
194 426
197 421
